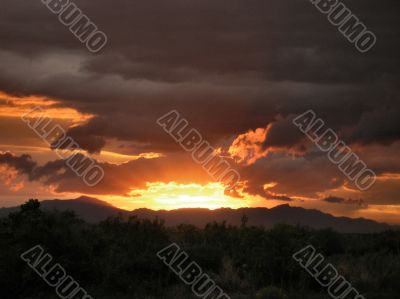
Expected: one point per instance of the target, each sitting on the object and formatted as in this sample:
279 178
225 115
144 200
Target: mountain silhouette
93 210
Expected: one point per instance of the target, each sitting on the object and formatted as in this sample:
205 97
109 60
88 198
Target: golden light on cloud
389 176
118 158
247 148
13 106
9 177
45 154
270 185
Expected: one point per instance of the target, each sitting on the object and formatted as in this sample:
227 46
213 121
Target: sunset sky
239 71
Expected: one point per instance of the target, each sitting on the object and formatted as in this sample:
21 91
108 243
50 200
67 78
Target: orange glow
170 196
14 106
117 158
389 176
45 154
9 177
383 213
174 196
247 147
270 185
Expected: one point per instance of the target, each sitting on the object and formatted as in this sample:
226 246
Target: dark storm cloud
186 41
339 200
265 39
118 179
234 46
277 197
379 126
290 176
282 135
226 66
333 199
88 138
23 164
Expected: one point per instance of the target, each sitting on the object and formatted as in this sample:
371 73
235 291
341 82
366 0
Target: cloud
118 180
339 200
270 195
238 72
247 147
380 126
23 163
86 137
278 135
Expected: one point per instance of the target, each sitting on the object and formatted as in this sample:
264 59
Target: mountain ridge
94 210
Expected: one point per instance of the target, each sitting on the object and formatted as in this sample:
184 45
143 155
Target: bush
271 292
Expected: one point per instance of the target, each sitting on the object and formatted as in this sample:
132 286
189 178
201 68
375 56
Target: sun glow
174 196
169 196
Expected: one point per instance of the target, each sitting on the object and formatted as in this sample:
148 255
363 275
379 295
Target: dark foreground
118 258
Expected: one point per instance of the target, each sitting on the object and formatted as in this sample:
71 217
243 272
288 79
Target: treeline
117 257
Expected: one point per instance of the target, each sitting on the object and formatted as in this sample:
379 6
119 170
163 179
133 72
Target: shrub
271 292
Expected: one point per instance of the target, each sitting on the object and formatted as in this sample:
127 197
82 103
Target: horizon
82 198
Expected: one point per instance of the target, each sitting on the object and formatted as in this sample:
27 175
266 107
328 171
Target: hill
94 210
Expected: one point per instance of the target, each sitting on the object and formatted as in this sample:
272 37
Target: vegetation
271 293
117 258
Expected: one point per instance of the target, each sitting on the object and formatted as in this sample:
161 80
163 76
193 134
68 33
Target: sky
238 71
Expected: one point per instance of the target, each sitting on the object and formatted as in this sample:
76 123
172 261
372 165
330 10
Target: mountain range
93 210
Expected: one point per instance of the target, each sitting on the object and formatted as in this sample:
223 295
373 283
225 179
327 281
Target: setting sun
169 196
